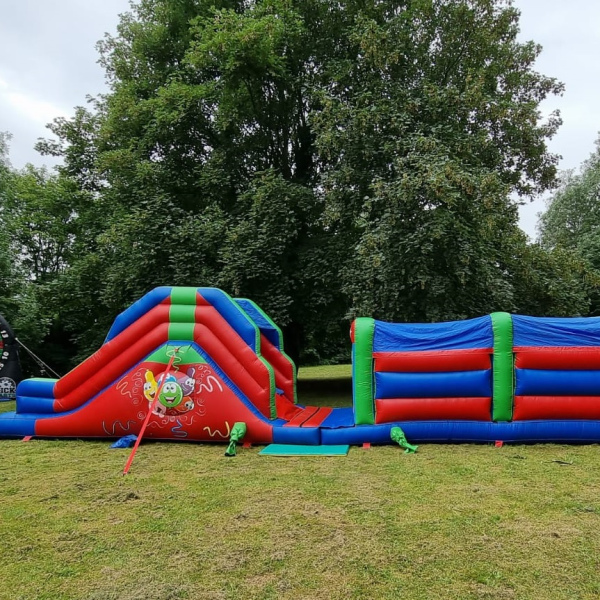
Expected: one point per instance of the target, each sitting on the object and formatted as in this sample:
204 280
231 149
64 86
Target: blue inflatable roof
556 331
454 335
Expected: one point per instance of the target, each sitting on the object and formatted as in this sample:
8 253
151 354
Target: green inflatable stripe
184 295
182 313
181 332
188 355
503 369
362 371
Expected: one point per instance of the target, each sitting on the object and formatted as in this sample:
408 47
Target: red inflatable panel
558 358
318 417
529 408
284 371
433 409
285 409
122 407
302 416
108 366
212 320
128 338
437 361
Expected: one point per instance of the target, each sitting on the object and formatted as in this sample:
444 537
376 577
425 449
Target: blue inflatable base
568 432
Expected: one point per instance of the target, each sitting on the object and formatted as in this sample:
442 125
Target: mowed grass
449 522
325 372
329 385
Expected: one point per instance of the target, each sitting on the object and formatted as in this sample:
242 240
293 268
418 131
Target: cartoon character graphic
150 386
188 385
171 393
171 398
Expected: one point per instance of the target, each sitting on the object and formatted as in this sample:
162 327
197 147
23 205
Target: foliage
554 282
573 213
37 214
571 221
7 266
428 129
323 159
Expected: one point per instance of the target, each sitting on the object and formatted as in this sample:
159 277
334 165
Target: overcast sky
48 66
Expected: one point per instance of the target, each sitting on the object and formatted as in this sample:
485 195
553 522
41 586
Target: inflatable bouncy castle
192 362
10 367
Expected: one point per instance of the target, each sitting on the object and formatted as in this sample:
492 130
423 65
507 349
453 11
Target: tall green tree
8 272
572 217
323 158
571 222
429 130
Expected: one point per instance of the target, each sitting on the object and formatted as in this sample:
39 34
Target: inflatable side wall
557 368
500 368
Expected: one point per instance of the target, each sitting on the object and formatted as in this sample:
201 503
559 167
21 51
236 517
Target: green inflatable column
362 371
503 367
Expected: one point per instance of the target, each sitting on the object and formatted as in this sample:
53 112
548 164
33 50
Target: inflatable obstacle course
190 363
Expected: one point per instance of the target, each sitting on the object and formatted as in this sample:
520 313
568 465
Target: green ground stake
398 436
238 431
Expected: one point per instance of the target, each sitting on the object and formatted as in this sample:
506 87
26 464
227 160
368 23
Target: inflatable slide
203 361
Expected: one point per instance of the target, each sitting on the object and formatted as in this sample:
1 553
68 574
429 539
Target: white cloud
29 108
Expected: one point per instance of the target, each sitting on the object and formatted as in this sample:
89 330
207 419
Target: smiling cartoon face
150 386
171 394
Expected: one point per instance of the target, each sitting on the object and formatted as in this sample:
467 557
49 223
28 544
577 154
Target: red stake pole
150 409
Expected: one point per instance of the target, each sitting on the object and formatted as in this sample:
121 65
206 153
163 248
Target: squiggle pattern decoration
208 385
217 432
178 431
122 387
114 427
136 380
178 358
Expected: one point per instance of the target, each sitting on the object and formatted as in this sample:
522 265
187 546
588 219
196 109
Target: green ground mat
293 450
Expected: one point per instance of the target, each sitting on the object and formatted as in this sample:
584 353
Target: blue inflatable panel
538 382
266 328
35 405
434 385
307 436
137 310
339 417
455 335
13 425
555 331
43 388
571 432
232 313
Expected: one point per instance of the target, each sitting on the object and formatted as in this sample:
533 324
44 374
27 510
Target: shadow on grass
325 392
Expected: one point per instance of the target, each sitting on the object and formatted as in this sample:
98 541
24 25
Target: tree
324 159
7 263
429 129
572 217
570 223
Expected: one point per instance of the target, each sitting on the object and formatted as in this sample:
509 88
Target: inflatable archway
10 367
499 377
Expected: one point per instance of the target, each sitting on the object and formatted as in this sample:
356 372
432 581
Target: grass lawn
450 522
325 372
